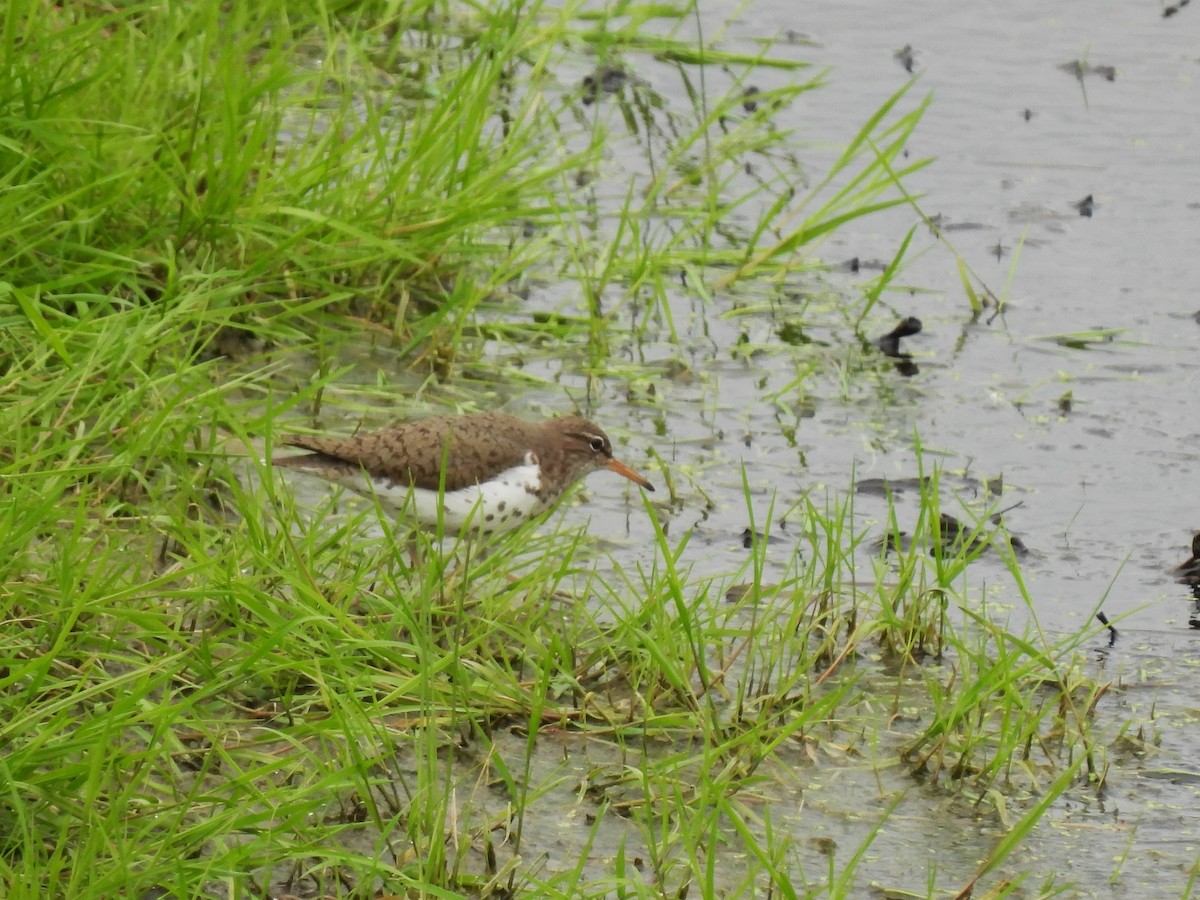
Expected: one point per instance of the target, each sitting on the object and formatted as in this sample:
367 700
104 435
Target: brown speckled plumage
475 448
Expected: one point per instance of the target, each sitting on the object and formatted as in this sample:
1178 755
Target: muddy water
1106 487
1098 442
1114 479
1110 490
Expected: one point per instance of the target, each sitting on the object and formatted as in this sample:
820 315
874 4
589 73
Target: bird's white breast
500 504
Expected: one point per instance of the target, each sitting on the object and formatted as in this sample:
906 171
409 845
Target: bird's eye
597 444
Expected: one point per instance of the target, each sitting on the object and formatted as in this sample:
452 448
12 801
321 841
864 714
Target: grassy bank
211 213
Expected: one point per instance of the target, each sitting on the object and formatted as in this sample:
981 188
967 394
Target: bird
478 474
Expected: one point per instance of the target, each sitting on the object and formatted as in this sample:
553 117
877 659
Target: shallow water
1108 490
1105 490
1107 498
1110 479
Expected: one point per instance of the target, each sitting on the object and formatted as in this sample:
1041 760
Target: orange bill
621 469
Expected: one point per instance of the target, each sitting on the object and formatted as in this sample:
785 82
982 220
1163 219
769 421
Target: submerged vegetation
208 211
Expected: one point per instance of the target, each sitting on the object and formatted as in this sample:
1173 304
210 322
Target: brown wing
476 446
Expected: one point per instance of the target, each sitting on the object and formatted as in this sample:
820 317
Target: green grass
208 211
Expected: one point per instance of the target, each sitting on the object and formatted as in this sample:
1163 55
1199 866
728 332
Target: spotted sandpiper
490 472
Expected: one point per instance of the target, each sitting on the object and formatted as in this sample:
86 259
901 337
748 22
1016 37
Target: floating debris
1188 571
1084 340
889 344
953 535
604 80
882 487
1079 69
855 265
750 538
907 57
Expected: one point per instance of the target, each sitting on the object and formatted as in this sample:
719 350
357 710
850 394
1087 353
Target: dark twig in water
889 344
907 57
1188 571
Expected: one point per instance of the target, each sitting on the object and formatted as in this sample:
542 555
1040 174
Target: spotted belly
501 504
